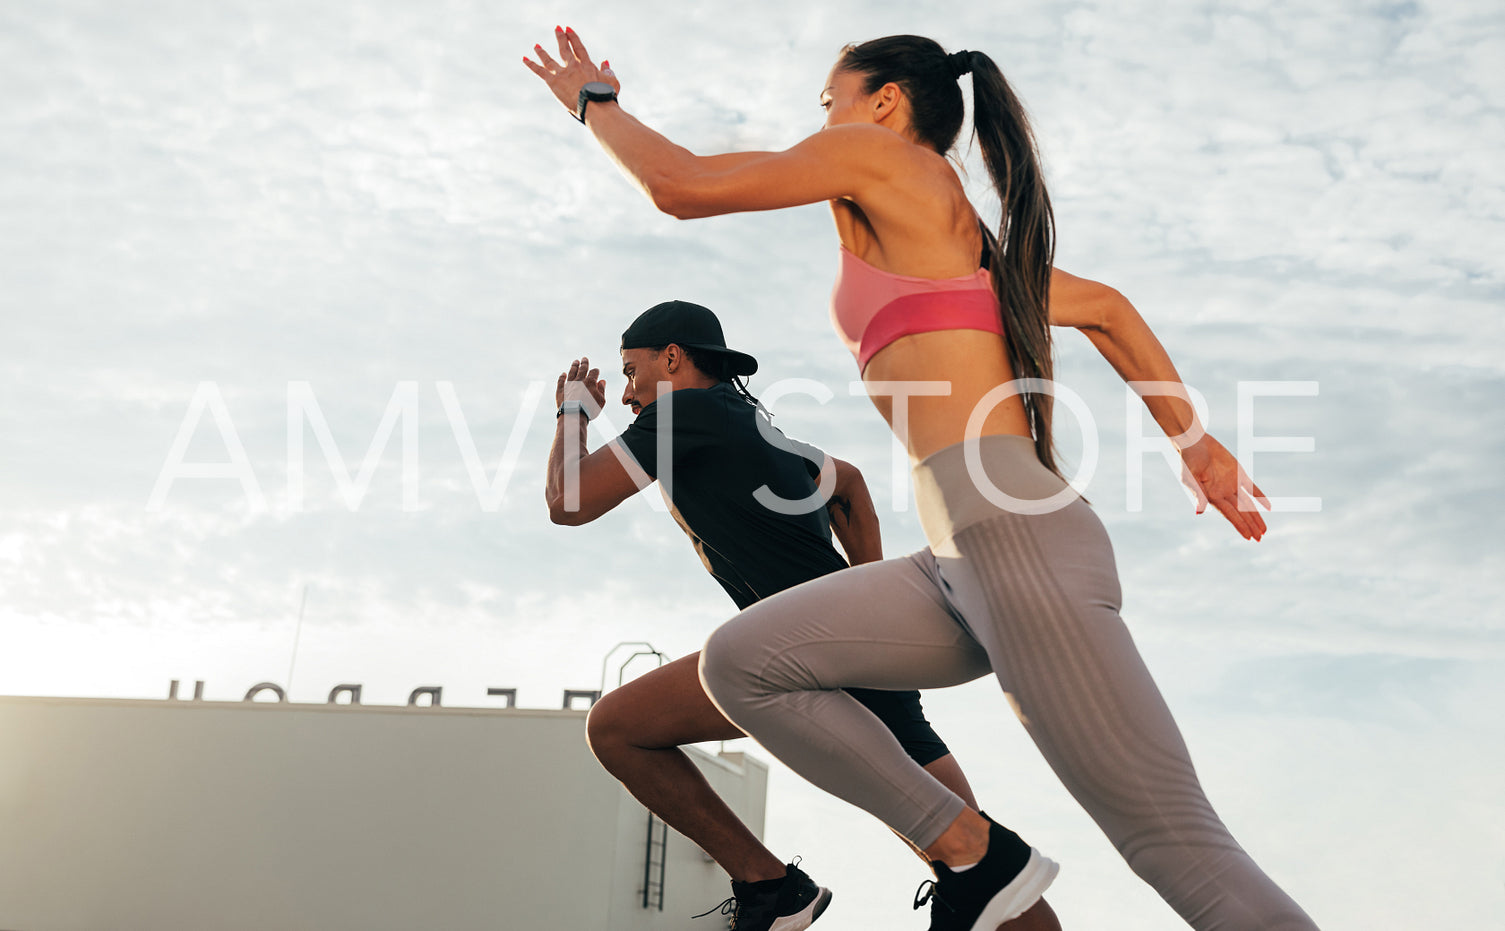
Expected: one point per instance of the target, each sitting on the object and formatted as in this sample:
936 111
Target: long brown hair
1023 248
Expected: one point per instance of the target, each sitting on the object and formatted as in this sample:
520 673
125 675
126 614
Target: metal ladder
658 841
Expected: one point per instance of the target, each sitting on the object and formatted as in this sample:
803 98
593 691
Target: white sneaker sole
1018 896
804 918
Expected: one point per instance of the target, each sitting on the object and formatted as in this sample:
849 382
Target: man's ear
673 355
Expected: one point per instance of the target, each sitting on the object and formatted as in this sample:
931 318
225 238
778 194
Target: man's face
644 369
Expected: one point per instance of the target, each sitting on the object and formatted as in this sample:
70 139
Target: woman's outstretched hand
572 71
1216 477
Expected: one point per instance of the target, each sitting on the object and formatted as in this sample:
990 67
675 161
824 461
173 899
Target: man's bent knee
604 726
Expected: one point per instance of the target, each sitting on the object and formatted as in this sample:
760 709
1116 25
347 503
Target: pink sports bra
871 307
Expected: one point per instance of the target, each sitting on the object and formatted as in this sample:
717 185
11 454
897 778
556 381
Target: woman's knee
717 669
726 668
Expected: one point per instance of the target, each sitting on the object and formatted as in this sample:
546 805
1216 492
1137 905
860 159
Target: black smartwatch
593 90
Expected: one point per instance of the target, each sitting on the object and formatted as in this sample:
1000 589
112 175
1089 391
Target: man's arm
581 486
854 520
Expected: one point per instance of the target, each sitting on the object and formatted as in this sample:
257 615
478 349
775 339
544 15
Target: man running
760 510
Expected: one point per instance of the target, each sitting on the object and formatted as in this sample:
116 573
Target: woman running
949 325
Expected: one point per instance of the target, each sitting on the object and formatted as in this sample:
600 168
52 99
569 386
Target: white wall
123 815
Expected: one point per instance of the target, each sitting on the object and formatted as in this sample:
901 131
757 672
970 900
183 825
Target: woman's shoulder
871 144
860 134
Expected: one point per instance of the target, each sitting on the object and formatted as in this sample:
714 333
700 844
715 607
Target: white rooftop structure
124 815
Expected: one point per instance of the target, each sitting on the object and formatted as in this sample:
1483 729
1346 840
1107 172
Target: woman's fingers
1213 488
571 49
1232 516
1258 495
1239 519
1249 522
573 67
1250 508
576 47
549 64
566 54
1256 524
1230 507
1243 518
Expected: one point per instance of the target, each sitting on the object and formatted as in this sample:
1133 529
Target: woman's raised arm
843 161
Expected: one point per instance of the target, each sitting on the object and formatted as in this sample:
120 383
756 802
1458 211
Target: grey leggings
1033 598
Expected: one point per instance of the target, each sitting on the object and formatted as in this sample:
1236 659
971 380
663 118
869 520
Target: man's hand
572 71
1215 476
584 384
581 485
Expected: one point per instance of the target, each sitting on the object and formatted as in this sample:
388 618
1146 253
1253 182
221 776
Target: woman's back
920 225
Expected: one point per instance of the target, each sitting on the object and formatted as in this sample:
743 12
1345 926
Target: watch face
598 90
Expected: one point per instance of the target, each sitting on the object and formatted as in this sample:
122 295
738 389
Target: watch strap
587 95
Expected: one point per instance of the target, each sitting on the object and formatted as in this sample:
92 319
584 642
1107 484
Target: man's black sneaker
1009 879
788 904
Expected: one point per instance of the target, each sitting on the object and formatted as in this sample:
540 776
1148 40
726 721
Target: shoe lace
729 907
926 892
732 907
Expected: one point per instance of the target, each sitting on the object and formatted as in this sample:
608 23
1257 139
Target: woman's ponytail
1023 249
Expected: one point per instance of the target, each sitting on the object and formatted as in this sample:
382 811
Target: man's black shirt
720 457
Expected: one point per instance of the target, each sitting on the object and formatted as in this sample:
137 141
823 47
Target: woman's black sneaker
788 904
1009 879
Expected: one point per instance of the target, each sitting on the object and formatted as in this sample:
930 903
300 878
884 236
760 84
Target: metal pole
297 633
648 861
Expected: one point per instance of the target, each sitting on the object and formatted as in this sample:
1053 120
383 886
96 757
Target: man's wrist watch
598 91
573 407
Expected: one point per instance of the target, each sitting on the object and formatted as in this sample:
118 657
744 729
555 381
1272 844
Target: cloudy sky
211 208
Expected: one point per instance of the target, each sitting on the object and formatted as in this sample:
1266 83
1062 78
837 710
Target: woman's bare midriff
971 363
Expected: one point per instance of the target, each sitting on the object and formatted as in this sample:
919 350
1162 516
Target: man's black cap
688 325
